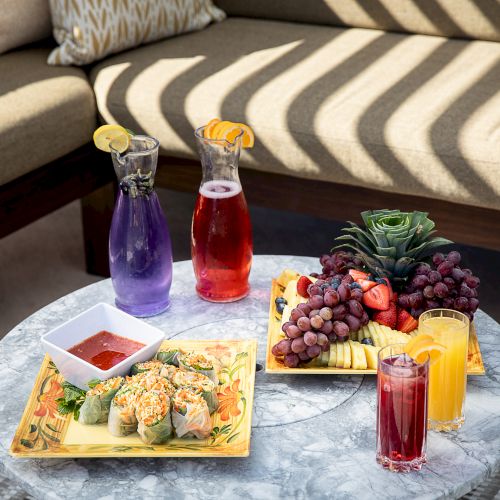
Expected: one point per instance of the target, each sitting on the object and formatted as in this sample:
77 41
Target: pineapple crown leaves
392 242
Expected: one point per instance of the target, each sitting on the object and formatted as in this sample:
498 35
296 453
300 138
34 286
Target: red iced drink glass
402 388
221 234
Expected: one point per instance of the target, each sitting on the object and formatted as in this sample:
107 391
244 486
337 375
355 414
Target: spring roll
191 362
153 416
168 356
200 383
122 420
168 371
154 365
152 382
190 414
95 409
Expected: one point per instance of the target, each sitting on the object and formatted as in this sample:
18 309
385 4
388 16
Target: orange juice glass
448 375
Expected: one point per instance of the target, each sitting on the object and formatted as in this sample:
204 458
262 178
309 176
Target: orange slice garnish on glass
228 131
422 345
218 128
248 139
207 131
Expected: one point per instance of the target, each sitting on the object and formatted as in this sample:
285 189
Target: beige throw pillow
88 30
23 22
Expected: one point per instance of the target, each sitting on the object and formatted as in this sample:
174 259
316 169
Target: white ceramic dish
99 317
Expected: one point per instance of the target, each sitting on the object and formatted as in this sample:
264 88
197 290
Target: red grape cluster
445 284
338 263
333 310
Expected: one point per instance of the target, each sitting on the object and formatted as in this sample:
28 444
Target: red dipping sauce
105 349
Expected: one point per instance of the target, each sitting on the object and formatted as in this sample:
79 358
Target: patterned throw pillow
88 30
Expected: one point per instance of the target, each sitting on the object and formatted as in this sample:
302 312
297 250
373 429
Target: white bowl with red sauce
102 342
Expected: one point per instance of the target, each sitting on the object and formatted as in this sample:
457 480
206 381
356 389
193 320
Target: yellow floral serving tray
44 433
474 364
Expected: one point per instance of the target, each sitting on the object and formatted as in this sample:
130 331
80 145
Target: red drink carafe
221 233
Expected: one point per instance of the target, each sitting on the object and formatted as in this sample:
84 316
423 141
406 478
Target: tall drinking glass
402 386
221 234
448 375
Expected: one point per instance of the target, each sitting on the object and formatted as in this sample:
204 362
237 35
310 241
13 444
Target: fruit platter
373 286
194 398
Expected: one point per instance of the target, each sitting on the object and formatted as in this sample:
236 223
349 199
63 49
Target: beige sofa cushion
23 22
409 114
452 18
45 112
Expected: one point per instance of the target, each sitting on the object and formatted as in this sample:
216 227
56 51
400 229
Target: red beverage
221 242
402 411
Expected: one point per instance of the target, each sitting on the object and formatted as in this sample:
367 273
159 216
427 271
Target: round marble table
312 436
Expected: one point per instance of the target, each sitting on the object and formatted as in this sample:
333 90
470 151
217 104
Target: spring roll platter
323 364
222 430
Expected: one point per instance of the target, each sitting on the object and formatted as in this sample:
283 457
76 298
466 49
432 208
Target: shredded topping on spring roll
105 386
153 365
152 407
183 397
196 361
194 380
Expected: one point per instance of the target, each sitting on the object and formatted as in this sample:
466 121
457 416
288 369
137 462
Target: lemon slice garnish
107 134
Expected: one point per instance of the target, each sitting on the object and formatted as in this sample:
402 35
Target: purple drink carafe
140 250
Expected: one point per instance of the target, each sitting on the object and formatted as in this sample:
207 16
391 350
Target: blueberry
380 281
280 307
367 341
355 285
335 282
280 300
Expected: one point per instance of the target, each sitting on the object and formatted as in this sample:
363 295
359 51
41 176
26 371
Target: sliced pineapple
371 353
374 334
286 276
365 333
332 361
358 357
340 355
286 314
381 335
324 357
347 353
290 292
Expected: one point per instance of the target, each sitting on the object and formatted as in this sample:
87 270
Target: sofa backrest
22 22
477 19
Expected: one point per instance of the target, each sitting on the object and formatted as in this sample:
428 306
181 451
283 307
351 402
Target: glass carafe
140 250
221 235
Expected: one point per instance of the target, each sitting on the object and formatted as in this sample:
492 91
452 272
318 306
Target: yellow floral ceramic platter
44 433
475 364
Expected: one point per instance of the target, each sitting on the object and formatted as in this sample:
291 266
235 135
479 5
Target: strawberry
366 284
388 318
390 288
357 275
377 297
406 322
302 285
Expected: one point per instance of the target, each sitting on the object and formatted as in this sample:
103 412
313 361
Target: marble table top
312 436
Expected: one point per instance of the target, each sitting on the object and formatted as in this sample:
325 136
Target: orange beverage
448 375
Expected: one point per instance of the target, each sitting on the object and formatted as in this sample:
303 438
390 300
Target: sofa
355 105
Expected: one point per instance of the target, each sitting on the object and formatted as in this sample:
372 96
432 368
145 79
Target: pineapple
392 243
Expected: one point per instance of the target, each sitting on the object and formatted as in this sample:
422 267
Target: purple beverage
140 250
